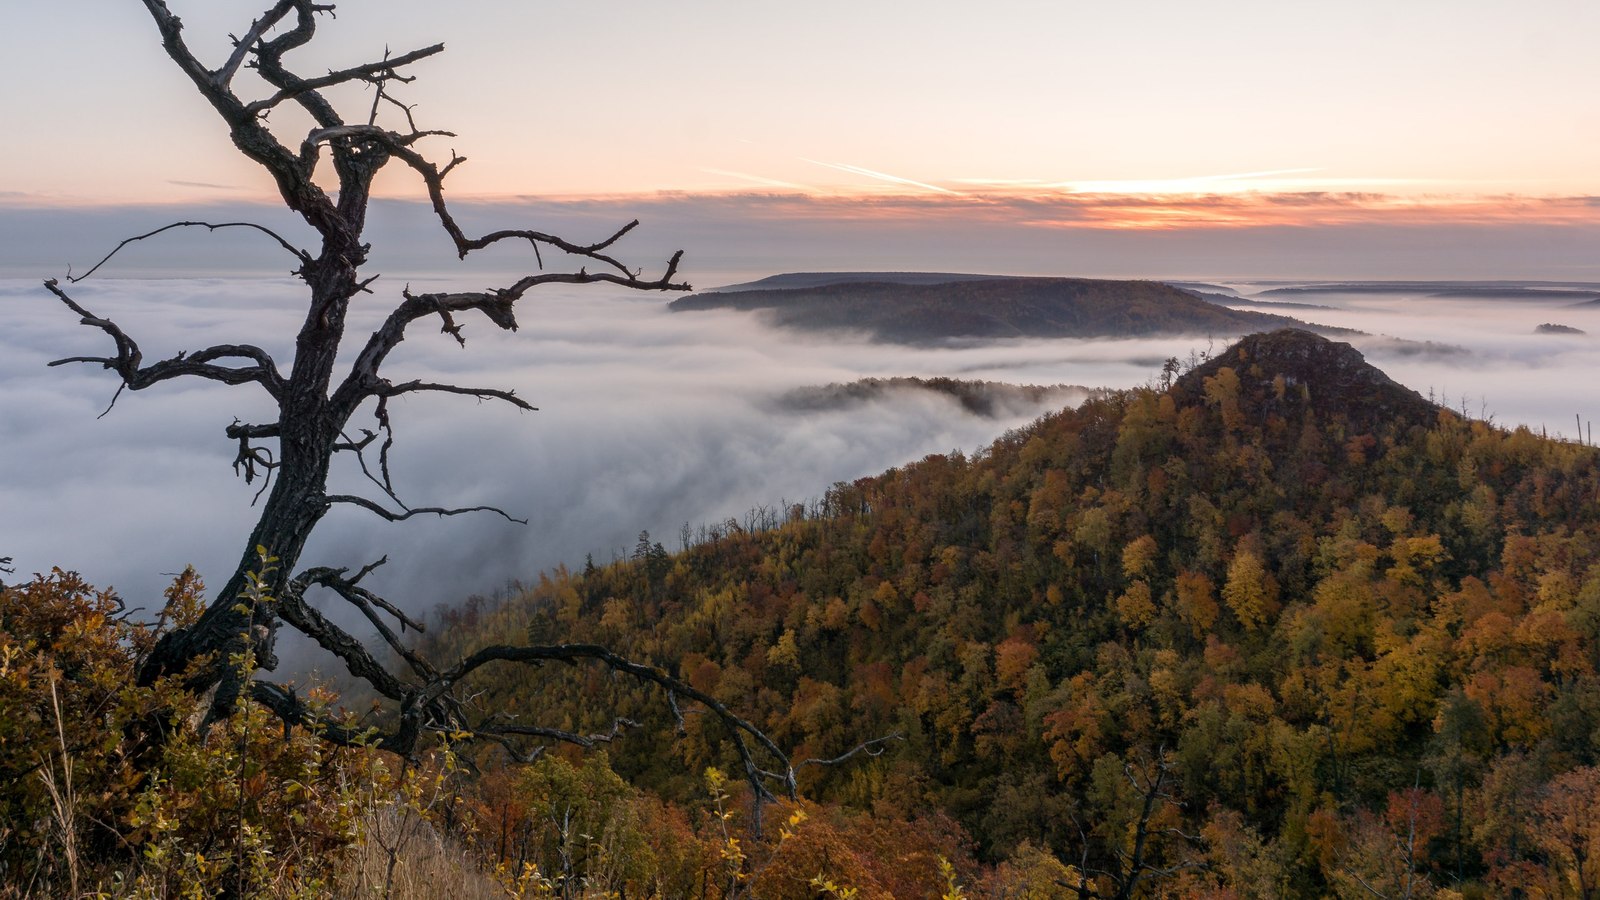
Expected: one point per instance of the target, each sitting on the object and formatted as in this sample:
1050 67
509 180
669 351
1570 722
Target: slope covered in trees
903 311
1277 627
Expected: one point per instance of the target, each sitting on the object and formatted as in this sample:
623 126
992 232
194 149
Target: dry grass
63 798
404 857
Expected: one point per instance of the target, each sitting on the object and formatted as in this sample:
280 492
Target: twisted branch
503 735
299 87
242 46
299 254
200 363
408 512
740 730
410 387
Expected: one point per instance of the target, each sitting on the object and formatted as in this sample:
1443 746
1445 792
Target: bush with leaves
244 803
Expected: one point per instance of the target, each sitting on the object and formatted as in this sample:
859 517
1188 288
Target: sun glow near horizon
1166 118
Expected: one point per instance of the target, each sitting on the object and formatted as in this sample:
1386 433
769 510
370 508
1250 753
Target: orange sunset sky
1152 115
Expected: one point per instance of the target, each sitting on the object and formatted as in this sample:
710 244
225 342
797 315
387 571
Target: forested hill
969 306
990 399
1280 628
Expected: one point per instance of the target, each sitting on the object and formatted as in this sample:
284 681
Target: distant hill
909 308
1545 291
822 279
989 399
1236 302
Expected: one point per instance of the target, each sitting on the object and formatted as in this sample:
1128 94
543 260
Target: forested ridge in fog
1282 627
920 308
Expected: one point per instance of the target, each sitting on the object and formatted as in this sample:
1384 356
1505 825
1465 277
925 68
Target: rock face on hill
985 307
1295 367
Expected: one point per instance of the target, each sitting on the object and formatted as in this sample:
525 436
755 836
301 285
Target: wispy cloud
1164 211
759 179
204 184
882 176
1190 184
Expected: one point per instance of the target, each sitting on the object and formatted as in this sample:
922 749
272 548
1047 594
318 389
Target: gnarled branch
299 254
411 387
242 46
199 364
504 734
741 730
293 608
303 86
874 747
408 512
369 604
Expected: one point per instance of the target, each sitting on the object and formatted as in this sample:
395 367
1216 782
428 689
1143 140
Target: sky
1049 137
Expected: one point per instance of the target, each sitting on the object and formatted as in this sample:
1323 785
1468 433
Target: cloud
205 184
738 236
648 420
883 176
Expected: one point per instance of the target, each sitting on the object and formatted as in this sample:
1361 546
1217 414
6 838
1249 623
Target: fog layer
648 420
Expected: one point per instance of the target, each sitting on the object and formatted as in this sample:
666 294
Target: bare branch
304 86
433 180
359 449
409 387
292 710
299 254
241 47
405 109
738 728
497 305
127 361
114 398
242 430
369 605
874 747
269 63
349 446
250 135
501 733
351 135
292 608
392 516
248 459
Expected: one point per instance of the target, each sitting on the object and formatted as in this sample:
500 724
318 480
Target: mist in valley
648 420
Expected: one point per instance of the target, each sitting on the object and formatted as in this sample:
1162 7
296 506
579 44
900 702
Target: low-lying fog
648 420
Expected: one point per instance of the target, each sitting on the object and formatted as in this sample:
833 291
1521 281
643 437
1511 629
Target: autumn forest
1271 626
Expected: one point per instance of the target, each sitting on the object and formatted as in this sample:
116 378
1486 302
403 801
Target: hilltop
1290 367
919 308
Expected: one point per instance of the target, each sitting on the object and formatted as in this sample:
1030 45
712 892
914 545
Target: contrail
758 179
881 176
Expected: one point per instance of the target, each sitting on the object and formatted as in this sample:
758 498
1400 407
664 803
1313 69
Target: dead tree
317 401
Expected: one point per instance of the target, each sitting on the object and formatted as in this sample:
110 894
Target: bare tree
316 400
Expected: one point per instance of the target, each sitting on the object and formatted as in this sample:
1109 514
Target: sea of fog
648 420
